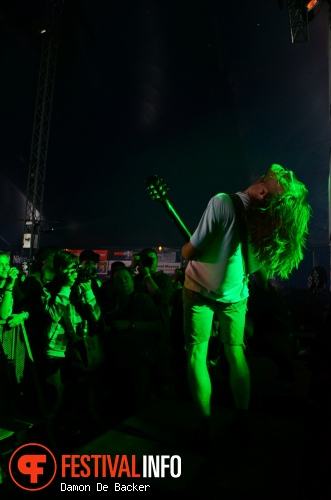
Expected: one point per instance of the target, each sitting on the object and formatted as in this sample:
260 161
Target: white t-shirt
218 272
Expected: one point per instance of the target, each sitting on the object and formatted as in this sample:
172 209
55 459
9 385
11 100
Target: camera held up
145 260
85 274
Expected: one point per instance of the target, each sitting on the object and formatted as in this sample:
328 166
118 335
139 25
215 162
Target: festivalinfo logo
33 467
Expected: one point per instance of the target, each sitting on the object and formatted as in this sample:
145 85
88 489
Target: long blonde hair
278 226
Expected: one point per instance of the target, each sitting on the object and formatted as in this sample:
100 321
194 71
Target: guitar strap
240 218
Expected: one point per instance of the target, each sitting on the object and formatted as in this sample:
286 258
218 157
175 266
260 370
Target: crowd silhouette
136 316
101 349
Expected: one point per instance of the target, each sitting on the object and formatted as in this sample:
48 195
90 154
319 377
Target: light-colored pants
198 317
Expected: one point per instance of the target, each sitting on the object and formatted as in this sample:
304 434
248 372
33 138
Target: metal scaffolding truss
298 17
40 136
329 58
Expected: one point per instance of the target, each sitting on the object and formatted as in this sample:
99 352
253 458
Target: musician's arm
188 251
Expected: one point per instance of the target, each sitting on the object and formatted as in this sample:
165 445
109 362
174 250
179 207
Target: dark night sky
204 95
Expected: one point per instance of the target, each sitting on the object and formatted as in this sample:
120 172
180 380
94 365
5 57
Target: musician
276 215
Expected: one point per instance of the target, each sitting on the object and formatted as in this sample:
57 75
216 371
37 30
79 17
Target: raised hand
85 287
69 277
12 276
135 260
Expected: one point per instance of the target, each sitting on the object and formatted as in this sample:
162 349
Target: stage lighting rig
300 13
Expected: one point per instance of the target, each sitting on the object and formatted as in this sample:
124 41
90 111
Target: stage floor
288 454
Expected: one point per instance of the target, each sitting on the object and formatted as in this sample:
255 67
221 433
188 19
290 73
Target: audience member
89 260
12 348
179 278
77 316
159 286
35 285
132 330
67 310
37 295
106 289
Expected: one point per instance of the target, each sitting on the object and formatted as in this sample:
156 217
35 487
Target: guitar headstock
156 188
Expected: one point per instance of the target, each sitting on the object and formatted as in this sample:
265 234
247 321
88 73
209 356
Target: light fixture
311 5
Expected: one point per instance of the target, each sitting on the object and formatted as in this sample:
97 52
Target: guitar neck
176 219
